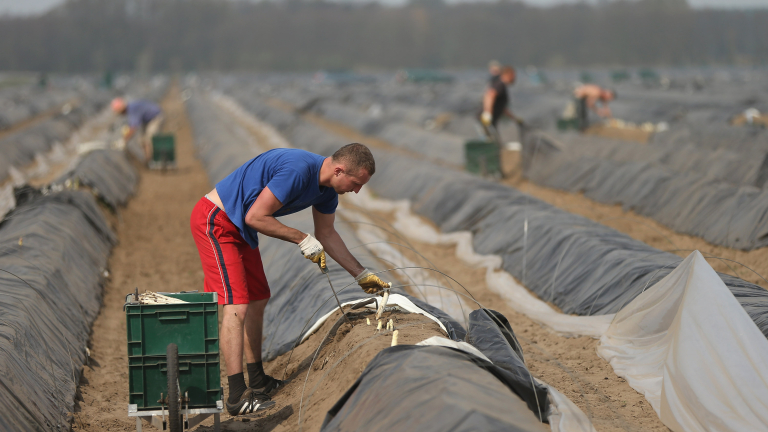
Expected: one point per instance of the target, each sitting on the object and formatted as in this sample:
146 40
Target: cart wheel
174 405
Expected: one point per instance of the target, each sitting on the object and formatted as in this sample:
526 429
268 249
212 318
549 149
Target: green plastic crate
163 150
194 328
199 377
566 124
482 157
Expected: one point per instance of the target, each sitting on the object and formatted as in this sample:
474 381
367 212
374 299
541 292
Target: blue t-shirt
292 175
141 112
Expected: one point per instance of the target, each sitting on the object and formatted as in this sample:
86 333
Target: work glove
313 251
486 118
370 283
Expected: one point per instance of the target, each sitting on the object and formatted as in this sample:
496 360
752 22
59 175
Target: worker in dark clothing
494 70
496 101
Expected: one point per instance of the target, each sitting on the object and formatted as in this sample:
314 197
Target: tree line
200 35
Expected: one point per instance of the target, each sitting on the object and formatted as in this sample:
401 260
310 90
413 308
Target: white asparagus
383 304
394 337
150 297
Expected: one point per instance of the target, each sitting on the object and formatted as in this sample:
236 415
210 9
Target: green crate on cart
199 378
194 327
163 151
566 124
482 158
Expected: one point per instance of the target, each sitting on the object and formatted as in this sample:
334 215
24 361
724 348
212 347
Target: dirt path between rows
156 253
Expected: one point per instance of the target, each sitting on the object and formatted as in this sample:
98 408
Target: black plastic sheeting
491 333
19 149
53 251
301 294
108 173
449 389
583 267
20 103
220 148
719 204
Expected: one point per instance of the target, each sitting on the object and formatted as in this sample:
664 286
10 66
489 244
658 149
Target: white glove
486 118
313 251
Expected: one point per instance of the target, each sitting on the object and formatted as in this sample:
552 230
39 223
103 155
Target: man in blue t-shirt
144 117
226 223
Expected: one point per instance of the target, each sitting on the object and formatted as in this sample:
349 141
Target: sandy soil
157 253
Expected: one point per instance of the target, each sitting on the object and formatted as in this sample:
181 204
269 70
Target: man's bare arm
259 217
333 244
488 98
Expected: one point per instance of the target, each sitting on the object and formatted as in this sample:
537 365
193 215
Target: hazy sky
26 7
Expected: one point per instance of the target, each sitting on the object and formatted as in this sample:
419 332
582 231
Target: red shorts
230 266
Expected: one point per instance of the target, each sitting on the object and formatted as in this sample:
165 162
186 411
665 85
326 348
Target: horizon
37 7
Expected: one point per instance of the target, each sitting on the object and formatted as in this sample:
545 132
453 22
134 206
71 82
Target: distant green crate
164 150
482 157
199 377
565 124
194 328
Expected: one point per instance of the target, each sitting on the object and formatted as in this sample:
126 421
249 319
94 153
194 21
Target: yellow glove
125 131
486 118
313 251
370 283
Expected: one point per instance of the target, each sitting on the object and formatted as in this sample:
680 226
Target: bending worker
588 96
496 101
144 117
226 223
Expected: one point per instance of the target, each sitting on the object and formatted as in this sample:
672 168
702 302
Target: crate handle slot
183 366
172 315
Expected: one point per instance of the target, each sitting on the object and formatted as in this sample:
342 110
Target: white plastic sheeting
688 345
394 300
424 283
496 279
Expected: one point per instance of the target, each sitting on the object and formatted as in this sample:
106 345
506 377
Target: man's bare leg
232 349
254 322
232 337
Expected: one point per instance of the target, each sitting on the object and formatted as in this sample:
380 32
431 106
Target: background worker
587 97
496 101
226 223
494 70
143 116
